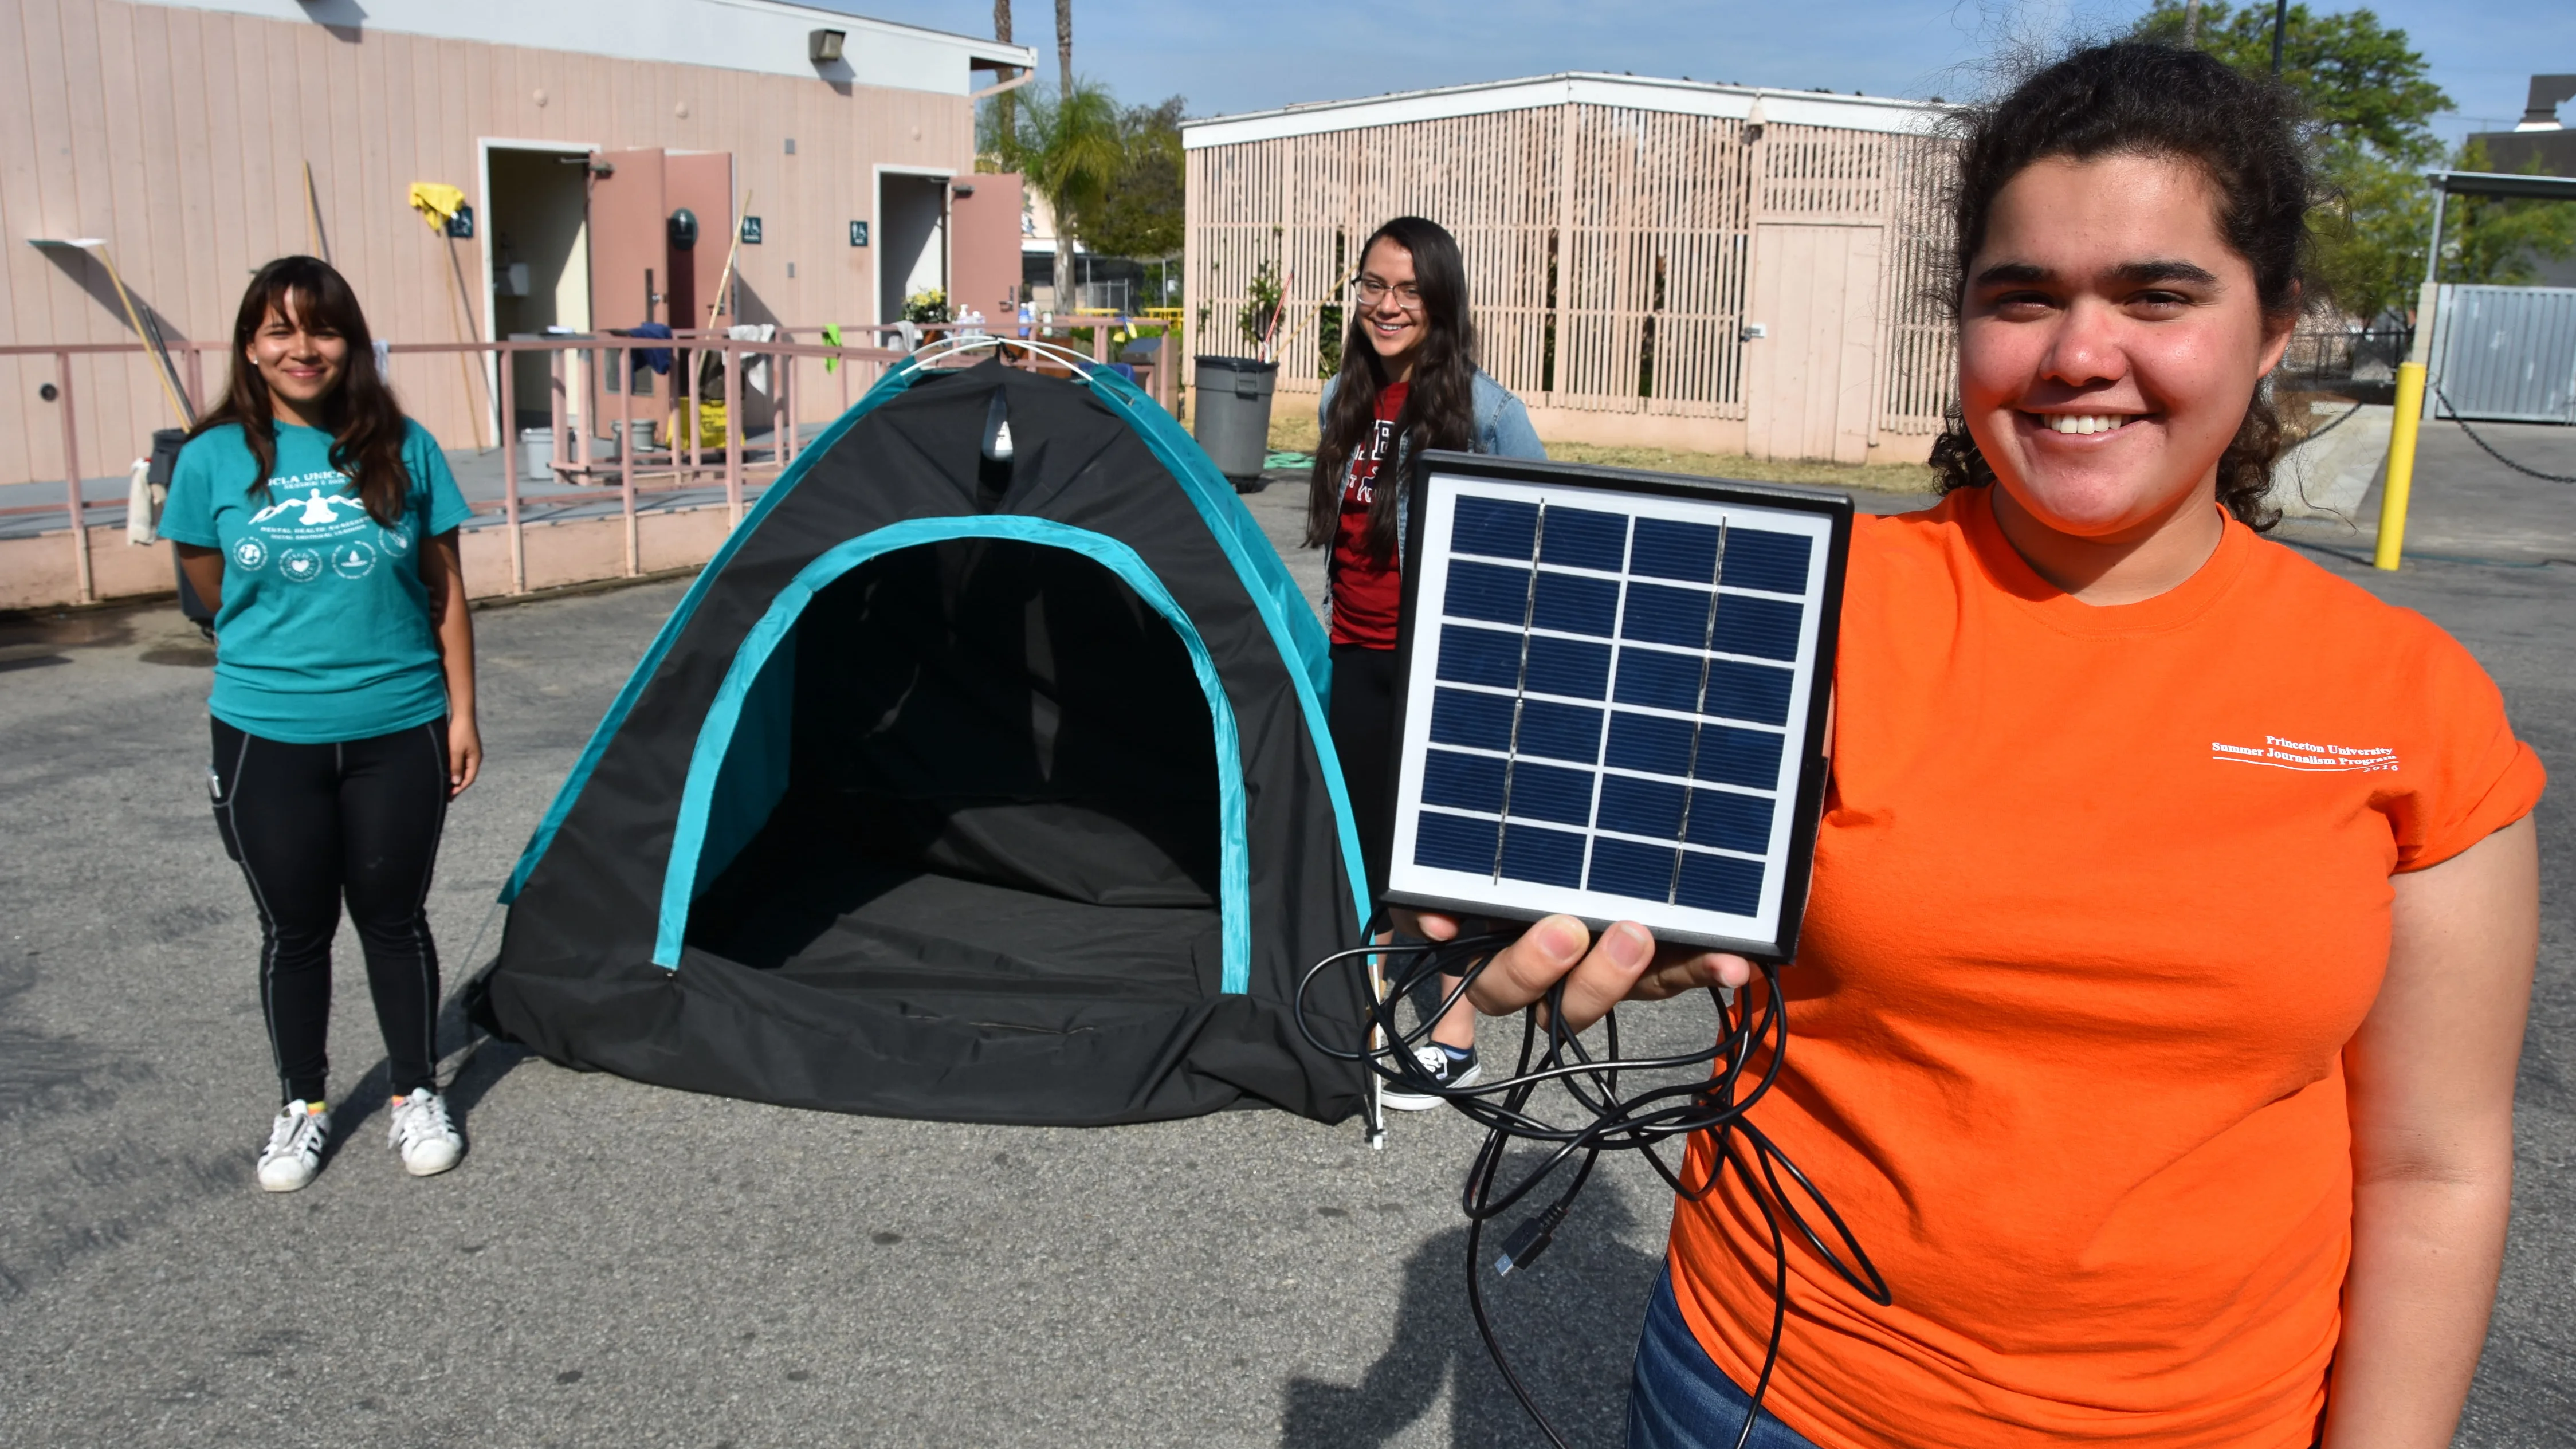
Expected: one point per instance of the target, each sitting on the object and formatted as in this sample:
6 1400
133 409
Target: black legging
312 825
1362 718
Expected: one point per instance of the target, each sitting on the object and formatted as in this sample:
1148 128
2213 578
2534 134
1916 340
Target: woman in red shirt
2175 905
1408 382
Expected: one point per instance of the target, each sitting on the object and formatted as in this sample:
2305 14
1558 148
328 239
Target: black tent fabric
982 776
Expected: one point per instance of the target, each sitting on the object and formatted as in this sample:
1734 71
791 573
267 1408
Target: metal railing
2325 357
581 366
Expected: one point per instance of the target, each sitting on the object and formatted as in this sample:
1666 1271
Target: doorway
912 256
538 245
1810 377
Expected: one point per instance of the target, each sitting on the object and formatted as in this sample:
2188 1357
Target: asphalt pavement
620 1264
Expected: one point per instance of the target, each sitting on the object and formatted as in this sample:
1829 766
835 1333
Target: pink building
199 138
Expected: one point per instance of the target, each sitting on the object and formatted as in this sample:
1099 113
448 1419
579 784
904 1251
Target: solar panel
1614 697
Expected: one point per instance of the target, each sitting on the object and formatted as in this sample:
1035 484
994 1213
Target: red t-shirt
1367 593
2100 895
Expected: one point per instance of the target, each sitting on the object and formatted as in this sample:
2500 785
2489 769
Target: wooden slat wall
181 135
1609 250
1919 363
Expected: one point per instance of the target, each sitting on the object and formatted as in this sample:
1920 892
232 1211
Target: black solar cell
1579 538
1560 731
1493 528
1543 857
1575 604
1487 591
1760 559
1550 792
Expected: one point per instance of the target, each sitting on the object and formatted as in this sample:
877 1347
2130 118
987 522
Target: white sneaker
1450 1072
294 1151
422 1136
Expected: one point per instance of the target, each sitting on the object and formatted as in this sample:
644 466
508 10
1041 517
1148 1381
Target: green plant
1261 304
1328 339
930 304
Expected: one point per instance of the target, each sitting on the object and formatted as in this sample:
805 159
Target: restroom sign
858 233
751 231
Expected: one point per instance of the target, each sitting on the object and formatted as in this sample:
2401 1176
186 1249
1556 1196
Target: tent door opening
985 774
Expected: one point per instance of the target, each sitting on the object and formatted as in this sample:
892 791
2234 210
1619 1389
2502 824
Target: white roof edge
1644 93
760 36
978 48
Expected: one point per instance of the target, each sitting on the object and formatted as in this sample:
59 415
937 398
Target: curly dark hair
2134 98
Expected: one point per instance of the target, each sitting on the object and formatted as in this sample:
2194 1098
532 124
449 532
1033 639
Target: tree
1139 213
2359 79
2370 107
1067 145
1002 32
1064 46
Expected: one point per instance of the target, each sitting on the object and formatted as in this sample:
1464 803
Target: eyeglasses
1407 295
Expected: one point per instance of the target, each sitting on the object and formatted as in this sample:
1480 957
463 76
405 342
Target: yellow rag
435 203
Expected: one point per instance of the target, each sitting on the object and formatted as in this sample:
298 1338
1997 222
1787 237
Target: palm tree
1064 44
1069 148
1002 33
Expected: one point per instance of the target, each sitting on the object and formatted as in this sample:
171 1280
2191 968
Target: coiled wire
1751 1024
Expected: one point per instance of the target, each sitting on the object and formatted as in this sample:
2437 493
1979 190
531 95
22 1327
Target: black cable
1549 1053
2489 448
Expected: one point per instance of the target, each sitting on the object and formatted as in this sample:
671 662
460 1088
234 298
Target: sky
1226 56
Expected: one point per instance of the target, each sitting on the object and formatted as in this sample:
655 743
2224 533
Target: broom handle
162 373
731 252
312 214
465 333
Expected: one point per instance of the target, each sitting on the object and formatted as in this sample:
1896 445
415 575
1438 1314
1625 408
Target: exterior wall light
823 47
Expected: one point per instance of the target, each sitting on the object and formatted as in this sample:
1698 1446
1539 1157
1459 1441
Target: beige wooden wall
180 136
1611 253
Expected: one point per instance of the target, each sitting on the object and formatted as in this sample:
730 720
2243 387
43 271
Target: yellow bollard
2401 465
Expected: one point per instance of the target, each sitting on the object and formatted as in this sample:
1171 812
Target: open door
628 273
984 253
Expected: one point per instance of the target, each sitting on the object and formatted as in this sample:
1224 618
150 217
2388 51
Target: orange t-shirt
2100 895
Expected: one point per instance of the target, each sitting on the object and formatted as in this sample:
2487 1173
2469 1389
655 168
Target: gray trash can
1230 415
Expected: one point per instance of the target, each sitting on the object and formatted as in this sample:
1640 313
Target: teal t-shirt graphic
324 633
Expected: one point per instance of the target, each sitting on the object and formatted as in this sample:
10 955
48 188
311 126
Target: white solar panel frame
1769 932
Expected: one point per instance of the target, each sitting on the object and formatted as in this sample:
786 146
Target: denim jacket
1502 430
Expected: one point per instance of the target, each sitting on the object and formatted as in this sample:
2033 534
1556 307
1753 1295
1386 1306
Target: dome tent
982 775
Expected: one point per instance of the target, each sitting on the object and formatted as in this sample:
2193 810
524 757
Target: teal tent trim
897 378
1304 646
698 799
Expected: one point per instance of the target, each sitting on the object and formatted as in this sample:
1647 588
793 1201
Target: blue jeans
1679 1399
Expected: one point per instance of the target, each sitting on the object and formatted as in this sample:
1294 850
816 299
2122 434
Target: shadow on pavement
1570 1326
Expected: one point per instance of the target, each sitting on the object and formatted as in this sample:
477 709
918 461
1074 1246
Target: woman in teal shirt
320 523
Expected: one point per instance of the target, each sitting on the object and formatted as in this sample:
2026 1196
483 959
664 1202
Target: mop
436 203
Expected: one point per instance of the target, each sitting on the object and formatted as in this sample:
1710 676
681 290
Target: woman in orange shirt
2175 904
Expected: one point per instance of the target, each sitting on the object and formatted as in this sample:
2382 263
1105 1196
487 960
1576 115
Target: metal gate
2506 353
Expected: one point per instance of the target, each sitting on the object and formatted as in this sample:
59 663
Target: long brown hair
366 424
2140 98
1439 408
